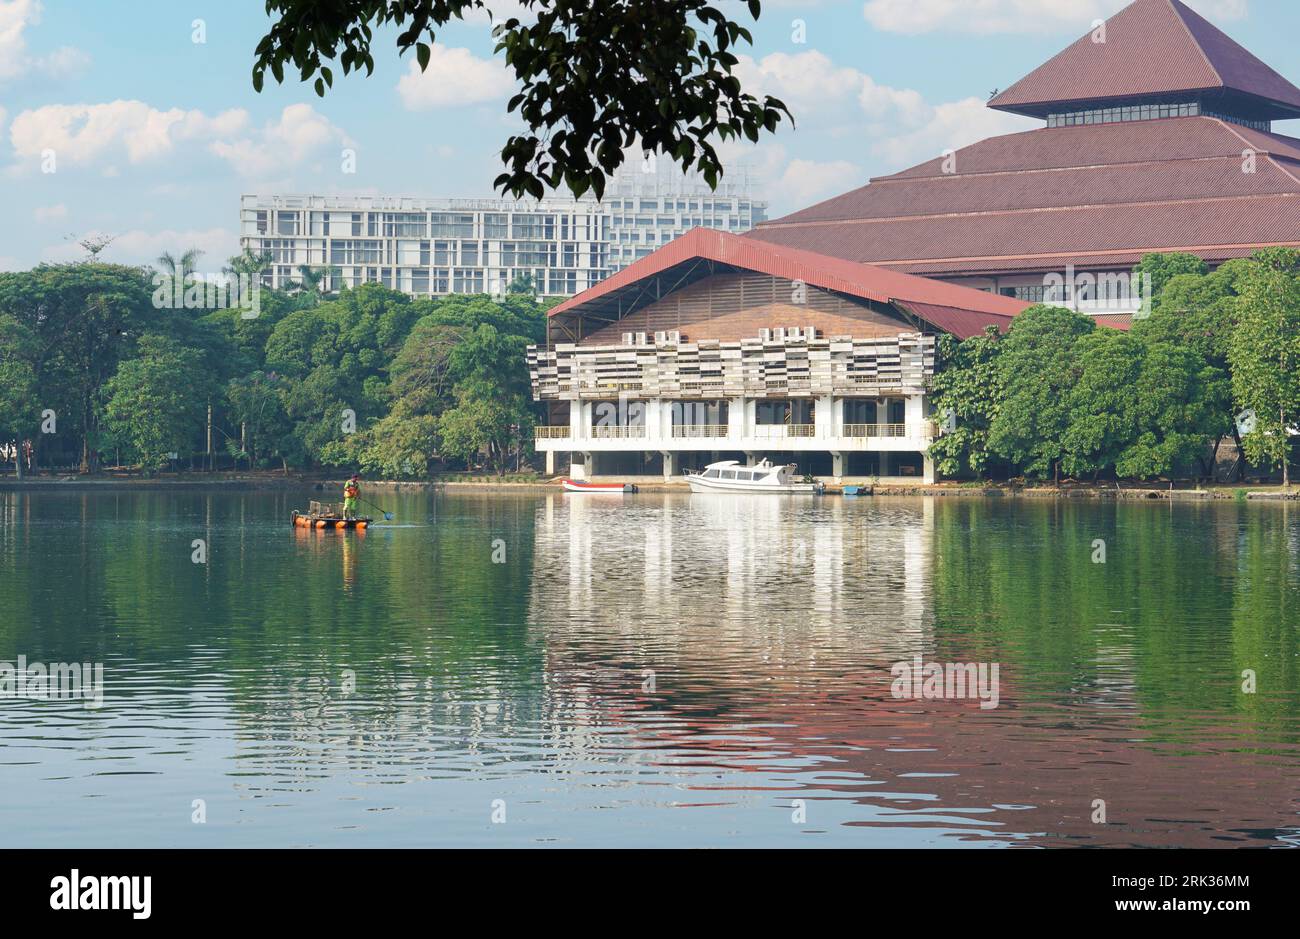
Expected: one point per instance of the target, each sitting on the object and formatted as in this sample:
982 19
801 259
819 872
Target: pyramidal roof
1149 50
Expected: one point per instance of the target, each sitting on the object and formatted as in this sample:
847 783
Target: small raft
327 515
577 485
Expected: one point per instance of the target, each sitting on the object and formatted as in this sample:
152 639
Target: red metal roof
1151 48
963 310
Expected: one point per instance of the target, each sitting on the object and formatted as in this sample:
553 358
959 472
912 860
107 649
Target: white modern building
430 246
433 247
651 203
722 347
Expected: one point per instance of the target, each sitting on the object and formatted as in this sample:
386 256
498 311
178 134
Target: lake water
652 670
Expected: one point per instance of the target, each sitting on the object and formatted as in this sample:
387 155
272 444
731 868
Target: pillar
670 465
550 462
886 463
837 465
930 474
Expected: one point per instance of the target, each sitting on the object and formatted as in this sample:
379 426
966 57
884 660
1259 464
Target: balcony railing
875 430
551 433
700 430
785 430
618 433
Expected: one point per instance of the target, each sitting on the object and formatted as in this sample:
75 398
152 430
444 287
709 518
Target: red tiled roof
1151 48
1038 200
1049 238
1105 145
968 310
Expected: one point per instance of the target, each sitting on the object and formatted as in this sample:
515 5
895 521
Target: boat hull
699 484
574 485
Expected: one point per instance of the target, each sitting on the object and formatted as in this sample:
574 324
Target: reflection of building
701 569
717 344
1158 138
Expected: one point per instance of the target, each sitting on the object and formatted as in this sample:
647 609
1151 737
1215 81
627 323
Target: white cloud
299 134
818 91
845 112
16 16
100 135
1014 16
454 77
81 134
143 247
49 213
949 126
805 182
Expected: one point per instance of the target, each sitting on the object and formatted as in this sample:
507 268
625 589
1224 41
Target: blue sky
155 135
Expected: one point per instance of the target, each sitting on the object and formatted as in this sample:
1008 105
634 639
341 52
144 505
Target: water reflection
651 670
769 627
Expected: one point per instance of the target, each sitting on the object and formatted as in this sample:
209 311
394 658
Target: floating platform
327 515
329 521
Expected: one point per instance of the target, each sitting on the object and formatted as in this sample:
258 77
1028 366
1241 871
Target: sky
149 109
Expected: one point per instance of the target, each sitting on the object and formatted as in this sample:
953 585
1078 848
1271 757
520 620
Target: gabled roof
962 311
1153 48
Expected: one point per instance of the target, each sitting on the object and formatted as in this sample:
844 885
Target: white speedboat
732 476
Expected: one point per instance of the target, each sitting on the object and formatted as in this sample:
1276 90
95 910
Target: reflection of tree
271 621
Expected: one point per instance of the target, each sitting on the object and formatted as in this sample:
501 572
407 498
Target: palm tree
182 267
248 262
312 281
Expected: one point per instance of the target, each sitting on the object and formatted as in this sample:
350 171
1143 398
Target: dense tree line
97 365
1058 395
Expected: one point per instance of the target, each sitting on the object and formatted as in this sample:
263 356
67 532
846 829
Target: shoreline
1218 492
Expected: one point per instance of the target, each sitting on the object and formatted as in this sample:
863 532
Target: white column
550 462
737 417
837 465
824 418
670 465
914 415
579 419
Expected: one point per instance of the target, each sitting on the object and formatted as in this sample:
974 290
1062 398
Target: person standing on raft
351 492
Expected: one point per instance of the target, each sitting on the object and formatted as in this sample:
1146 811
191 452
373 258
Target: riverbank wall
260 483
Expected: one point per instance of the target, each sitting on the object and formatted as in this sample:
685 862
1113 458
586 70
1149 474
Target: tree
1101 420
83 316
1037 366
19 404
484 423
970 384
1164 267
1265 355
156 401
1142 407
596 77
1179 405
257 409
1198 312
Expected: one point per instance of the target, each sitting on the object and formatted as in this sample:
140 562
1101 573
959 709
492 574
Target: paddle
388 516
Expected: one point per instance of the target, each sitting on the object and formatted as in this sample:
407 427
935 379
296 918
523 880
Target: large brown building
1157 137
